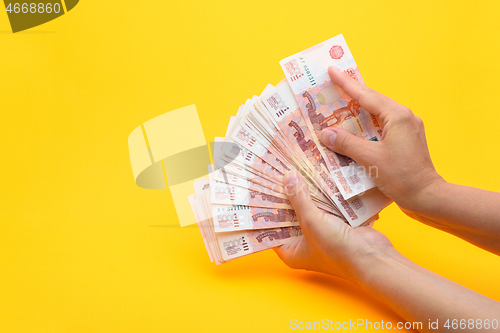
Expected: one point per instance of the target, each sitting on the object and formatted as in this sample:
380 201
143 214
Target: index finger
369 99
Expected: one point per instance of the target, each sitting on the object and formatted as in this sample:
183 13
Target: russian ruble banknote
242 207
324 104
232 218
253 230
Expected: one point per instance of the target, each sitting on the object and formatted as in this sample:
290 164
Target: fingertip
295 187
279 252
333 72
290 183
328 136
346 143
333 69
291 178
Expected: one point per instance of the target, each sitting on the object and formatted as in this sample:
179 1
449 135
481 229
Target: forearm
469 213
419 295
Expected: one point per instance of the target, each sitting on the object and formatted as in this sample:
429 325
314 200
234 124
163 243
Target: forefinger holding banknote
369 99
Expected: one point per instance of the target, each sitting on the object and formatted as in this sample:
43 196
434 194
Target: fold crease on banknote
241 208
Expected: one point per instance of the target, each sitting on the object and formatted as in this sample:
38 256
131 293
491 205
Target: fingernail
291 179
328 137
335 69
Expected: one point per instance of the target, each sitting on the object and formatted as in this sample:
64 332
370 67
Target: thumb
345 143
297 193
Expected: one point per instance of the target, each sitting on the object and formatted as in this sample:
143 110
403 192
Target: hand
403 164
366 257
328 245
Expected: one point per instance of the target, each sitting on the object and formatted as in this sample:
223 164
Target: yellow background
78 248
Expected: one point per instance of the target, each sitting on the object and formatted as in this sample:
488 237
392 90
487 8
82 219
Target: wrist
372 258
423 198
378 265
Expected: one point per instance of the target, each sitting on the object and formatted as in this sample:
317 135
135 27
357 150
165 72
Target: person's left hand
328 245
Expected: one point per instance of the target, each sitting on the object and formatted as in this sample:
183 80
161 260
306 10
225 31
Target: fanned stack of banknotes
241 208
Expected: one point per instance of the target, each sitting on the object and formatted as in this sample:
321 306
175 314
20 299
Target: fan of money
241 208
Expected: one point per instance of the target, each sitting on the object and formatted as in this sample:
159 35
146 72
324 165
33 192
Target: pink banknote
225 194
285 111
240 243
237 159
282 106
225 246
249 141
253 182
232 218
324 104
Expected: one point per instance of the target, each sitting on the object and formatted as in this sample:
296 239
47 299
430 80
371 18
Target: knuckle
403 114
365 94
419 121
406 112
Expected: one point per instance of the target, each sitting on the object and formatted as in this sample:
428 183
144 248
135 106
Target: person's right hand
405 172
